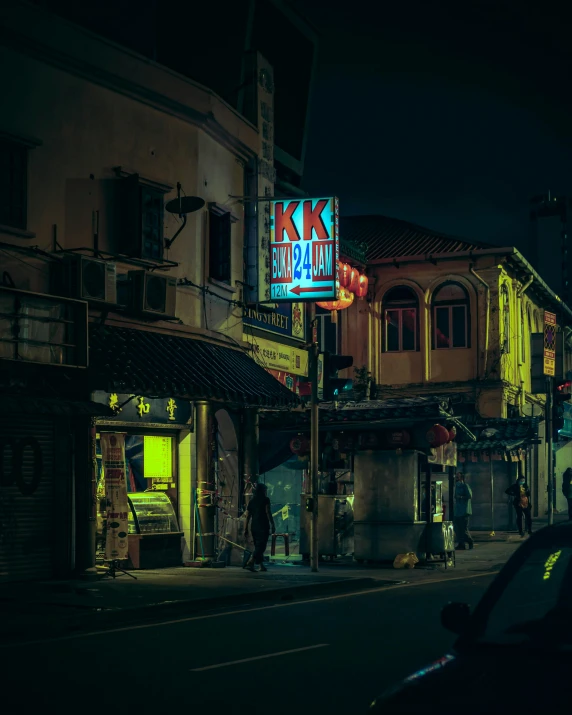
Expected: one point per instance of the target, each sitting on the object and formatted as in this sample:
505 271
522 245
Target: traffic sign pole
314 429
549 448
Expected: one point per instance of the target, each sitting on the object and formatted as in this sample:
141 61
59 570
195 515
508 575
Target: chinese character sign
549 343
304 249
117 506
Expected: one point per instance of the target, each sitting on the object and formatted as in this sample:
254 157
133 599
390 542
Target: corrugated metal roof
393 238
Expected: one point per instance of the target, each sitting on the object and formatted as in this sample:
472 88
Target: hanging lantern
363 283
345 299
437 436
354 277
345 274
452 433
300 445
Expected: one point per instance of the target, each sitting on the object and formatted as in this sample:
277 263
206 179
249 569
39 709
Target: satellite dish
184 205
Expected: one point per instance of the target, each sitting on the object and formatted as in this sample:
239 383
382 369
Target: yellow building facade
455 321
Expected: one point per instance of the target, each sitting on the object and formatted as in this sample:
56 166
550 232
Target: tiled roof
150 363
373 411
393 238
500 433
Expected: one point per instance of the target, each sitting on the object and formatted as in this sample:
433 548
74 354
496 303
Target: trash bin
441 542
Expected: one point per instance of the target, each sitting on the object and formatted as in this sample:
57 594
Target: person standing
521 502
463 510
259 515
567 489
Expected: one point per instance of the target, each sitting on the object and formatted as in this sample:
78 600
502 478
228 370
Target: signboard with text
304 249
139 408
275 356
116 504
286 319
549 343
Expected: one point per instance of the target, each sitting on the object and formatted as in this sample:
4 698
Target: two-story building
451 317
123 243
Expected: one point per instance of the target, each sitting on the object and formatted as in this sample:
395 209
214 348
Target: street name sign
304 250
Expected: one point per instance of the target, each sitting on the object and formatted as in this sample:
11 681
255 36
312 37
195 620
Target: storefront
154 434
187 412
382 479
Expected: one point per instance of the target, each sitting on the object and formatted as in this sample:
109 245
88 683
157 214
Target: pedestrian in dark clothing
521 502
567 489
463 510
259 515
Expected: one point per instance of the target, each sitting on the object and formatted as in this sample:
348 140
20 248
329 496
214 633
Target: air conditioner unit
153 295
86 278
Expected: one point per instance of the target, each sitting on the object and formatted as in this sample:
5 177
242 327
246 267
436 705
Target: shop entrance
151 476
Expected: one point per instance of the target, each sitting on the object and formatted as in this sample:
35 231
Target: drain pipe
487 316
521 291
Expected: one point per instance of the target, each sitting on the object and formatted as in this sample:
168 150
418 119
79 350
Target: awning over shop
23 405
500 436
371 413
157 364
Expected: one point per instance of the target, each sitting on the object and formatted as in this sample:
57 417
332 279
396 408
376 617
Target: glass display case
151 513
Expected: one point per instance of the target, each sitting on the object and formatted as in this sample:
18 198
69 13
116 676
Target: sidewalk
514 536
41 610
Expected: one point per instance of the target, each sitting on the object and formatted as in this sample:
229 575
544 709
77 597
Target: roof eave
539 284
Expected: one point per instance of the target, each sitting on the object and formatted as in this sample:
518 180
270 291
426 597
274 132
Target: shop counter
154 535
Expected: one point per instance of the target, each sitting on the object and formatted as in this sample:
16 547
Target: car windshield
535 608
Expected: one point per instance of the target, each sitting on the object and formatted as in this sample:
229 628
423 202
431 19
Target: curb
108 618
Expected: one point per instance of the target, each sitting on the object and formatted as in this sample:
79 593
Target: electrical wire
25 263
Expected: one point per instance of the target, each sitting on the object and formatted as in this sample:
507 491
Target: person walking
463 509
520 493
259 515
567 489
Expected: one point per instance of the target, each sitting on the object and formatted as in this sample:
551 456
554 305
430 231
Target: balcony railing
45 329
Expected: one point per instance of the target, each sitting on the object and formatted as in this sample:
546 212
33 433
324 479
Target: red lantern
345 274
363 283
344 300
437 436
299 445
354 278
452 434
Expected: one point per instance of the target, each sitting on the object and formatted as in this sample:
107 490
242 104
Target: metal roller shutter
27 513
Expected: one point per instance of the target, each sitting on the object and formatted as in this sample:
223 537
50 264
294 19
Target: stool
286 538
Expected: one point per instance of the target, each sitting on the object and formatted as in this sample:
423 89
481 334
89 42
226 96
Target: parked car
514 653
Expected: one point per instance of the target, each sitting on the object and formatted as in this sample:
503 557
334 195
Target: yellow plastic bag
405 561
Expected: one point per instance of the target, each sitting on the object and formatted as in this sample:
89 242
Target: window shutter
129 216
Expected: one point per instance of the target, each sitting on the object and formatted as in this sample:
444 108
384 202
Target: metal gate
27 504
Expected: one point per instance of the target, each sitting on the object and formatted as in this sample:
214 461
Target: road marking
258 657
222 614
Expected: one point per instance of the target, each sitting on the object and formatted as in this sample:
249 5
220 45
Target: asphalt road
330 655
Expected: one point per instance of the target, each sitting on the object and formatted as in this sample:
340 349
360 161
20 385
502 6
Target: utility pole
549 436
314 429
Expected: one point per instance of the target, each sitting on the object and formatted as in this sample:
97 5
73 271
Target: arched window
451 317
400 320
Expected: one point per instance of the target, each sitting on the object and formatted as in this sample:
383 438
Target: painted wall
87 127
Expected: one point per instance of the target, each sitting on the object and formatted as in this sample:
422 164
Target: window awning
160 365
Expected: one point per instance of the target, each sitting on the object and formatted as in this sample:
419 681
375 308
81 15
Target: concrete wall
386 486
118 111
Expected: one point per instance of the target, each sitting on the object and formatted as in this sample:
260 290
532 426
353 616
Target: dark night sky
448 114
